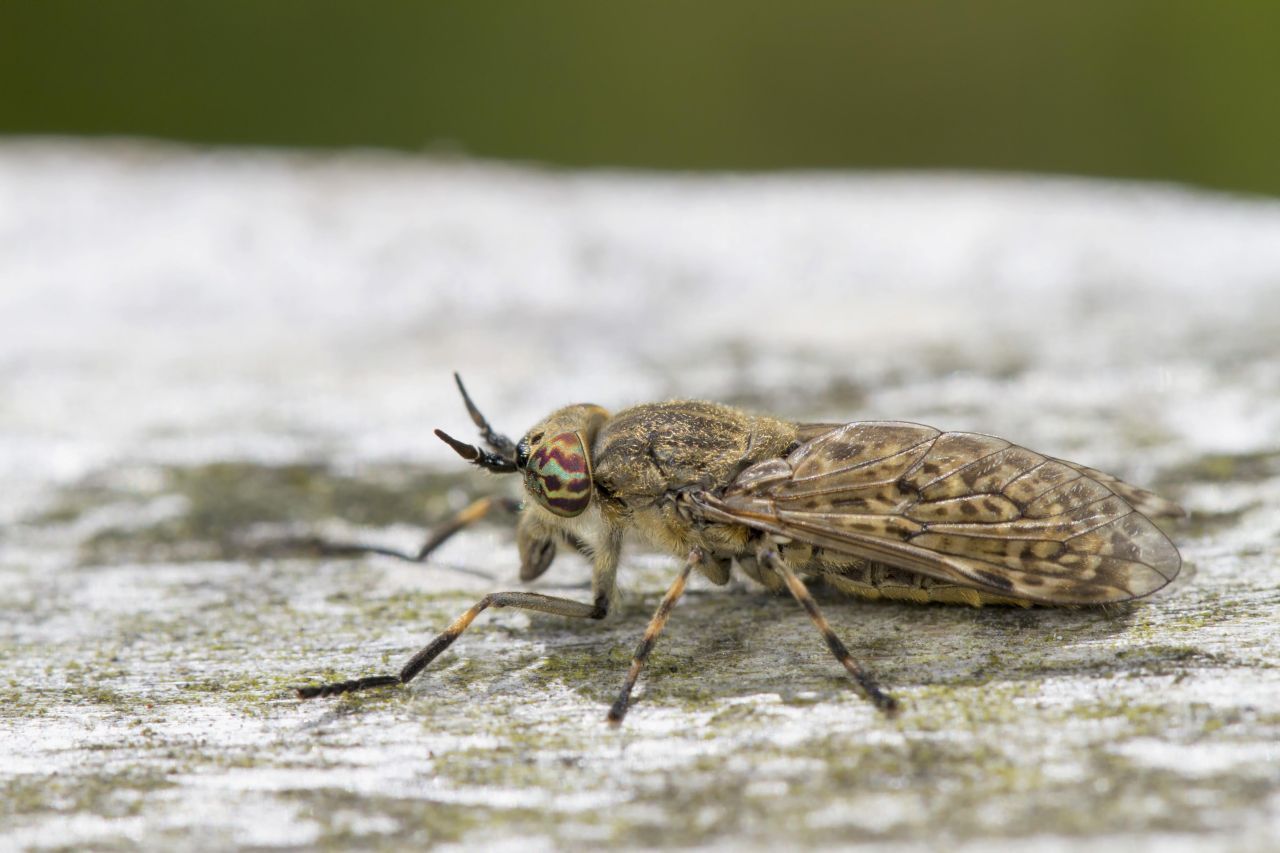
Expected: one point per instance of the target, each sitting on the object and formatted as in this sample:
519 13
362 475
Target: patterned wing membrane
961 507
1148 503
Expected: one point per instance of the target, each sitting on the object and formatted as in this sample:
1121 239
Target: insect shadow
753 644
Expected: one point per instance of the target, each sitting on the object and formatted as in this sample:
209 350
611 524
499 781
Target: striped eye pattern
558 474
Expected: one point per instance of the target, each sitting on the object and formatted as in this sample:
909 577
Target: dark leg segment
879 698
417 663
656 624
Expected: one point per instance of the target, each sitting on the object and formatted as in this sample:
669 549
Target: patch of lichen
992 782
529 760
223 501
960 762
410 822
25 702
244 687
760 791
1223 468
981 751
407 607
104 793
594 671
708 653
1200 523
964 706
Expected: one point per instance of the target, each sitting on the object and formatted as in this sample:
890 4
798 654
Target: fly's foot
337 688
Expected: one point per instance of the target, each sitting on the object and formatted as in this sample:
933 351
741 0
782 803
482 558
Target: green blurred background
1183 91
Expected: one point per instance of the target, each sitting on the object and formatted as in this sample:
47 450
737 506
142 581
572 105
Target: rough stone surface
202 352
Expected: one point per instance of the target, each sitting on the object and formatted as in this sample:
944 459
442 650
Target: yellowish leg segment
656 624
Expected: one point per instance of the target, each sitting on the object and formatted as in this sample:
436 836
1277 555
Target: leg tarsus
340 687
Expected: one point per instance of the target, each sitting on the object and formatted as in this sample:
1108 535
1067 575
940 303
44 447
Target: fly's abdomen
896 585
876 581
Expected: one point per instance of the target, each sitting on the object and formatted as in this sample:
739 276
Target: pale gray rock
201 351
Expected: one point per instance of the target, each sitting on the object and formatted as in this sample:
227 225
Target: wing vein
963 467
873 461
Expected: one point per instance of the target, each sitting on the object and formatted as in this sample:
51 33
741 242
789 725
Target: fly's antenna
499 442
486 460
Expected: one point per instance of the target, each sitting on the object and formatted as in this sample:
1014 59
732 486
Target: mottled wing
1148 503
961 507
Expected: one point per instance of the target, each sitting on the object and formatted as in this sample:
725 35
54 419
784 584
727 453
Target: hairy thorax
646 456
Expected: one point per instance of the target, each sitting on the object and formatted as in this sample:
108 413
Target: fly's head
555 459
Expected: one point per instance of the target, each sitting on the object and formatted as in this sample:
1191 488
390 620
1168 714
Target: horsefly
878 509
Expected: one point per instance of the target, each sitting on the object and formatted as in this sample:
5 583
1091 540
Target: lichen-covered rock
204 354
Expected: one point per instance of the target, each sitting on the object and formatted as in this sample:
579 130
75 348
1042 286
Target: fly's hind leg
886 703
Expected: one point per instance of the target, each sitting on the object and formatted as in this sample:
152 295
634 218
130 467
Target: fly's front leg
656 624
537 546
772 560
417 663
603 589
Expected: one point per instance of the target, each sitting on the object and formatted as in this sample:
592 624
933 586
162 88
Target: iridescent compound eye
558 474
